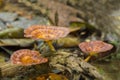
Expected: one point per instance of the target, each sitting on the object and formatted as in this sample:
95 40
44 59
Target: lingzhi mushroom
46 33
27 57
94 47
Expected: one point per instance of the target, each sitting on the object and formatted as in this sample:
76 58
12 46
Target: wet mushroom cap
27 57
95 46
46 32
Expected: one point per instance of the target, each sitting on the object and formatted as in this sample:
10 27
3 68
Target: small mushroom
47 33
27 57
94 47
50 76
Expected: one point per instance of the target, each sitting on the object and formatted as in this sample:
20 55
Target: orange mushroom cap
95 47
46 32
27 57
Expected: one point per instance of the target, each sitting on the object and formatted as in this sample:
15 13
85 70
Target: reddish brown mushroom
27 57
93 47
47 33
51 76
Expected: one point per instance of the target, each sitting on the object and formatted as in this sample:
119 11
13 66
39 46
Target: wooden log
10 70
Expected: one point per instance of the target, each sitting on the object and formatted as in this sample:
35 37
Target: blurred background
87 19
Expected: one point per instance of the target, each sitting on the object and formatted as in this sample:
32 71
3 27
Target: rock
8 16
24 22
2 25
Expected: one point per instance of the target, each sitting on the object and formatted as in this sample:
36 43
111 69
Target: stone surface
8 16
2 25
24 22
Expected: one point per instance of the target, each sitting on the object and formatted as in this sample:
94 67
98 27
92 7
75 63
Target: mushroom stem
51 46
88 58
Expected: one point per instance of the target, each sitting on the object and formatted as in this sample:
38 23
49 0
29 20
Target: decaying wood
10 70
74 65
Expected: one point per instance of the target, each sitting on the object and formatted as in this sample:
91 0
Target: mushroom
50 76
27 57
47 33
94 47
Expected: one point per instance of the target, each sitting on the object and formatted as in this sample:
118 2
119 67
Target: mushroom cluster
94 47
46 33
27 57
